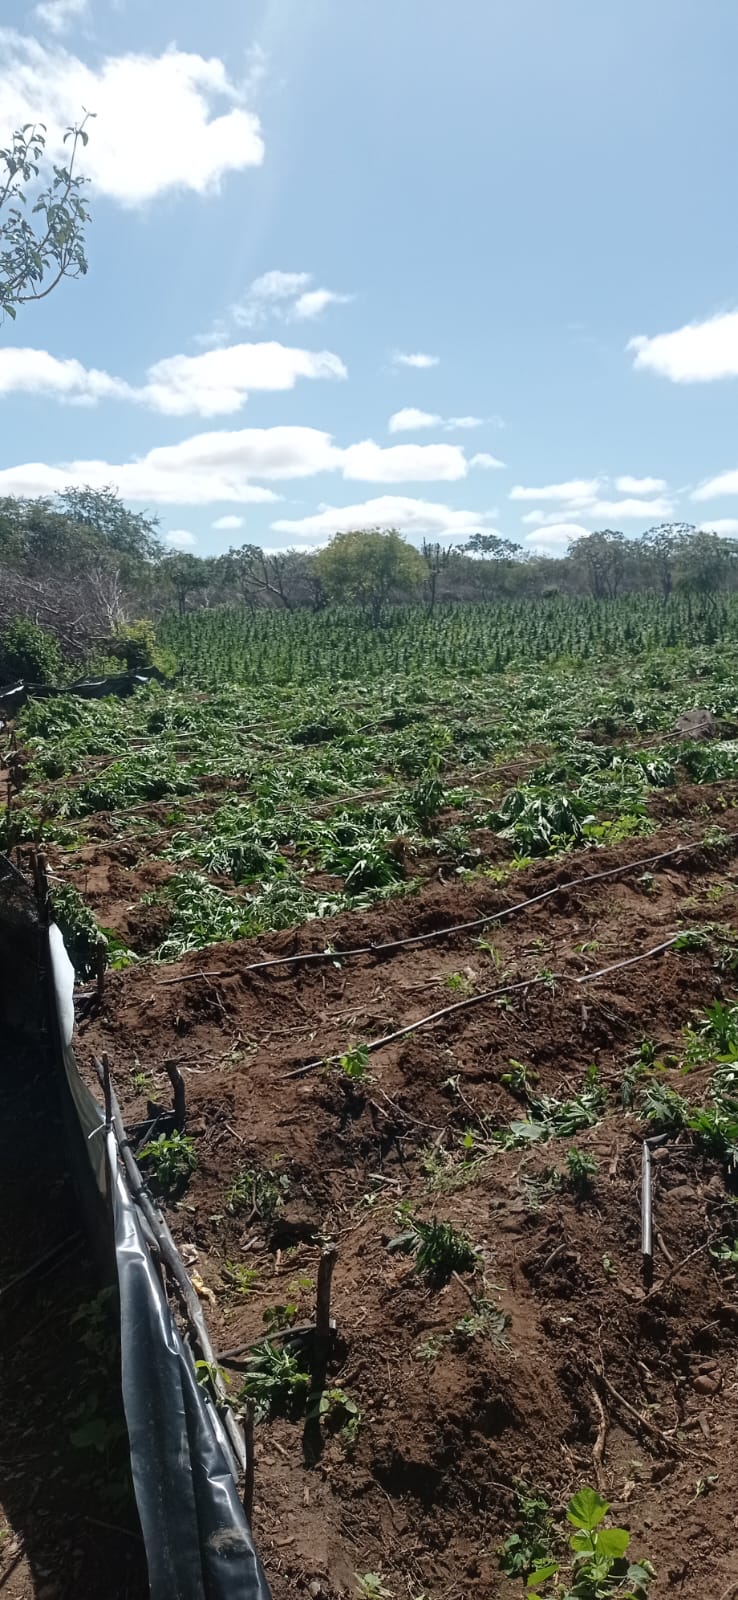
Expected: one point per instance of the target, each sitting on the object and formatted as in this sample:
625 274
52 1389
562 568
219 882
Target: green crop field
309 764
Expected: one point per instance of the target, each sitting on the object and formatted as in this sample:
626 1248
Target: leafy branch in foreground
42 244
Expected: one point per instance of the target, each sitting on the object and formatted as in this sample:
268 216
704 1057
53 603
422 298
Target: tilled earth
587 1372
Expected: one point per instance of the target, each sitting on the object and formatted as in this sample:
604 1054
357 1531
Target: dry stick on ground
598 1450
643 1422
443 933
681 1264
489 994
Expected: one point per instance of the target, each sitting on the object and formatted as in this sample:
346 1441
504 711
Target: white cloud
727 527
27 371
202 470
313 303
555 541
282 295
580 497
167 122
419 360
217 382
404 463
180 539
484 459
223 466
410 419
640 485
713 488
418 518
624 510
212 384
697 353
59 14
225 524
576 489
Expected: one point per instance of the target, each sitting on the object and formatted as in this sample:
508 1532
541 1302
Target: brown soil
427 1494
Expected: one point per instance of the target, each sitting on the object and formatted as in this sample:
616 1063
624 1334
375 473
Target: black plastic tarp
197 1540
15 695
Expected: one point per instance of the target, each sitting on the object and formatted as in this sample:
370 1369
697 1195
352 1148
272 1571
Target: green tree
130 533
369 568
28 651
253 571
492 546
184 574
707 562
659 549
438 559
602 560
42 229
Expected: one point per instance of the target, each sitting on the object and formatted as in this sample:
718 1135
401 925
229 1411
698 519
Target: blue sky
292 197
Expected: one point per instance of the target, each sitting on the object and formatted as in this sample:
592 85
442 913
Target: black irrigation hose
442 933
491 994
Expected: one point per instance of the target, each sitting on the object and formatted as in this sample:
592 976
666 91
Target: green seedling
429 1350
276 1318
242 1279
260 1192
598 1562
459 983
338 1412
484 1321
274 1381
581 1169
528 1549
355 1064
170 1159
726 1252
438 1247
371 1587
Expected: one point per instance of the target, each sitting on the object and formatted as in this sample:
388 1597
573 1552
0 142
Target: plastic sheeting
15 695
198 1543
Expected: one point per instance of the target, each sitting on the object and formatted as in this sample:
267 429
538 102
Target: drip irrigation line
443 933
491 994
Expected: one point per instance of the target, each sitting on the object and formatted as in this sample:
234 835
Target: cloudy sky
386 262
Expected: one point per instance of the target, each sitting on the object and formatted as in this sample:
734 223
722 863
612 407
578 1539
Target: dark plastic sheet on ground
15 695
197 1541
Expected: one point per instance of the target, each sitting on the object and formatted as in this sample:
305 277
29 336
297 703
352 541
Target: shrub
29 651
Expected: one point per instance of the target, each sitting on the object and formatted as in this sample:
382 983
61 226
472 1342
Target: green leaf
541 1575
613 1542
586 1509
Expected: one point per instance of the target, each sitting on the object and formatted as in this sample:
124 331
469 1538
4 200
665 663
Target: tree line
82 577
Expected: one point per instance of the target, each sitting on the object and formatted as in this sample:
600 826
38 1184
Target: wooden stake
323 1296
177 1081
